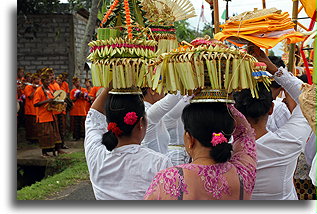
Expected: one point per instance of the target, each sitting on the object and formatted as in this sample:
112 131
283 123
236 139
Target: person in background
48 136
281 113
53 85
277 152
65 85
28 78
220 170
303 183
93 93
61 116
88 85
156 106
20 96
30 113
175 128
119 168
78 113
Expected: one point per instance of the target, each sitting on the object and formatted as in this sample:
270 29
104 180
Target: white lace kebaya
124 173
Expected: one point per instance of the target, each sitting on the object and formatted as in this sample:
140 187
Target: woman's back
124 173
198 182
231 180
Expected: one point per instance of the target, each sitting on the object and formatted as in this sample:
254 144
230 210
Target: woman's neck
259 127
202 156
127 141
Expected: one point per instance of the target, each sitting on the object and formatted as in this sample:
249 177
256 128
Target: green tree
184 32
207 30
271 53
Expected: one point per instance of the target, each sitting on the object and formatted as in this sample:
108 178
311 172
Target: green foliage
103 7
184 32
73 173
75 5
271 53
207 30
40 6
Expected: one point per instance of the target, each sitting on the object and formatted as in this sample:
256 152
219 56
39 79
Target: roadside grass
71 167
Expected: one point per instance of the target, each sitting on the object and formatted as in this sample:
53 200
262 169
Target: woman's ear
271 109
189 140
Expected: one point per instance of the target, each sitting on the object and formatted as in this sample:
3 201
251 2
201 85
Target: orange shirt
94 91
65 87
42 114
29 108
54 87
79 106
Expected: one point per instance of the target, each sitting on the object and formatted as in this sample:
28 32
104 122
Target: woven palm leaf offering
122 51
161 15
209 65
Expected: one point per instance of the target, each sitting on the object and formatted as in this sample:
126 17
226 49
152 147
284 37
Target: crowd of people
45 124
162 147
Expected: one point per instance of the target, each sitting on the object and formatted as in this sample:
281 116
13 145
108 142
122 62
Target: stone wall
49 41
79 31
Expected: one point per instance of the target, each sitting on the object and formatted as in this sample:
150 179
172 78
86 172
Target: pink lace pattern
247 173
213 178
168 179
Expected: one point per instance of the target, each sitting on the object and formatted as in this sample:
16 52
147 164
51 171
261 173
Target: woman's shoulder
151 152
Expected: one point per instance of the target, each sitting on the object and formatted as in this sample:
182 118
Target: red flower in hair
114 128
130 118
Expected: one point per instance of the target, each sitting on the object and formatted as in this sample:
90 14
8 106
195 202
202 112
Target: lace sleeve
168 184
289 82
244 151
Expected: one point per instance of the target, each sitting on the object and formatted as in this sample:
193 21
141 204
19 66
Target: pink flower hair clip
130 118
218 138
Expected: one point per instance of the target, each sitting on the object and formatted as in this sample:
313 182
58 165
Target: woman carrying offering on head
120 169
219 170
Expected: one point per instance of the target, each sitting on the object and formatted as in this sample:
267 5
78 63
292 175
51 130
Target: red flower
130 118
114 128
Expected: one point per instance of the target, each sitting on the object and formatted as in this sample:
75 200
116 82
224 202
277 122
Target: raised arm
157 111
290 83
176 112
244 151
95 127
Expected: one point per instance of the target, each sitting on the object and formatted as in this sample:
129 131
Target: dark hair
277 60
303 77
275 85
201 120
253 107
144 91
117 106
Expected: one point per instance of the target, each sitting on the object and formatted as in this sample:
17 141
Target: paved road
80 191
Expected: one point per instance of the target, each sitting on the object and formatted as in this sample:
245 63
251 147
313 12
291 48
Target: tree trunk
89 31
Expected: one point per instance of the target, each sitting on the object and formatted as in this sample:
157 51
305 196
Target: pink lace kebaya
212 182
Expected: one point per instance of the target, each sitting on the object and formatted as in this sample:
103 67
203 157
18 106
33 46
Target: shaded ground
30 154
80 191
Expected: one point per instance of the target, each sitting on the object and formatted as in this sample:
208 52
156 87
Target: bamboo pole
315 66
216 16
302 26
291 57
263 4
264 7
